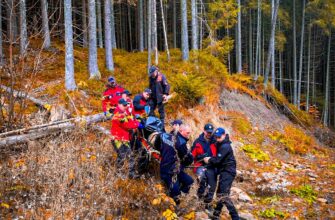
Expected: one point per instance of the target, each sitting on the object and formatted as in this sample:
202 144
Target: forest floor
284 172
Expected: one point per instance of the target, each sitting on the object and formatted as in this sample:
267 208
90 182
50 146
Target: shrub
306 192
190 88
294 139
272 213
242 125
255 153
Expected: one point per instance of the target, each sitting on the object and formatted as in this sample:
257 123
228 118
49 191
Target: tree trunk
23 28
308 69
108 37
92 23
113 25
326 108
250 43
239 41
1 46
229 66
271 44
194 9
141 30
149 7
295 90
45 22
281 86
184 31
84 21
201 26
174 24
301 53
23 95
165 35
46 130
11 20
99 17
129 27
273 63
70 83
258 40
154 30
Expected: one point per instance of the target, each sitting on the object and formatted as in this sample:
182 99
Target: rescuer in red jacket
203 147
122 124
111 96
126 95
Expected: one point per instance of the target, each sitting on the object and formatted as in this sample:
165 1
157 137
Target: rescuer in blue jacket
175 157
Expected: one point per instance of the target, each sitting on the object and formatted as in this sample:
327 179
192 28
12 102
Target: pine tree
271 44
45 22
93 56
195 31
108 37
70 83
23 28
184 31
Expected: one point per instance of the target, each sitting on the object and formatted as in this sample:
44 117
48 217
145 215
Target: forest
262 69
287 43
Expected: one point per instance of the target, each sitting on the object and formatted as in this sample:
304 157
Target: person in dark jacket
160 90
175 156
226 165
141 101
203 147
175 126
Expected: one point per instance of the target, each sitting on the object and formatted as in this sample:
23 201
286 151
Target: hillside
284 172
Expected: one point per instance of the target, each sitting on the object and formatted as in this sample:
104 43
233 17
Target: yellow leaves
47 107
170 215
156 201
71 174
82 84
19 163
190 216
295 140
4 205
159 187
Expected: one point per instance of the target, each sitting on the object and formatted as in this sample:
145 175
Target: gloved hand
140 126
201 157
107 114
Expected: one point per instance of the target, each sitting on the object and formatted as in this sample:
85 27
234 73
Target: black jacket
159 87
225 159
168 154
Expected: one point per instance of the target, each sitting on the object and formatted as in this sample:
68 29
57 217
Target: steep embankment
283 172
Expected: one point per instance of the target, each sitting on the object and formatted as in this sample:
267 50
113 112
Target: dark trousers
153 104
207 181
124 153
139 153
182 184
225 182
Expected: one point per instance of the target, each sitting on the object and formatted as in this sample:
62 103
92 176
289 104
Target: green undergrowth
272 213
254 152
305 192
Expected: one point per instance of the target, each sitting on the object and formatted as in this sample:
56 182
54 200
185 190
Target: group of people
211 153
